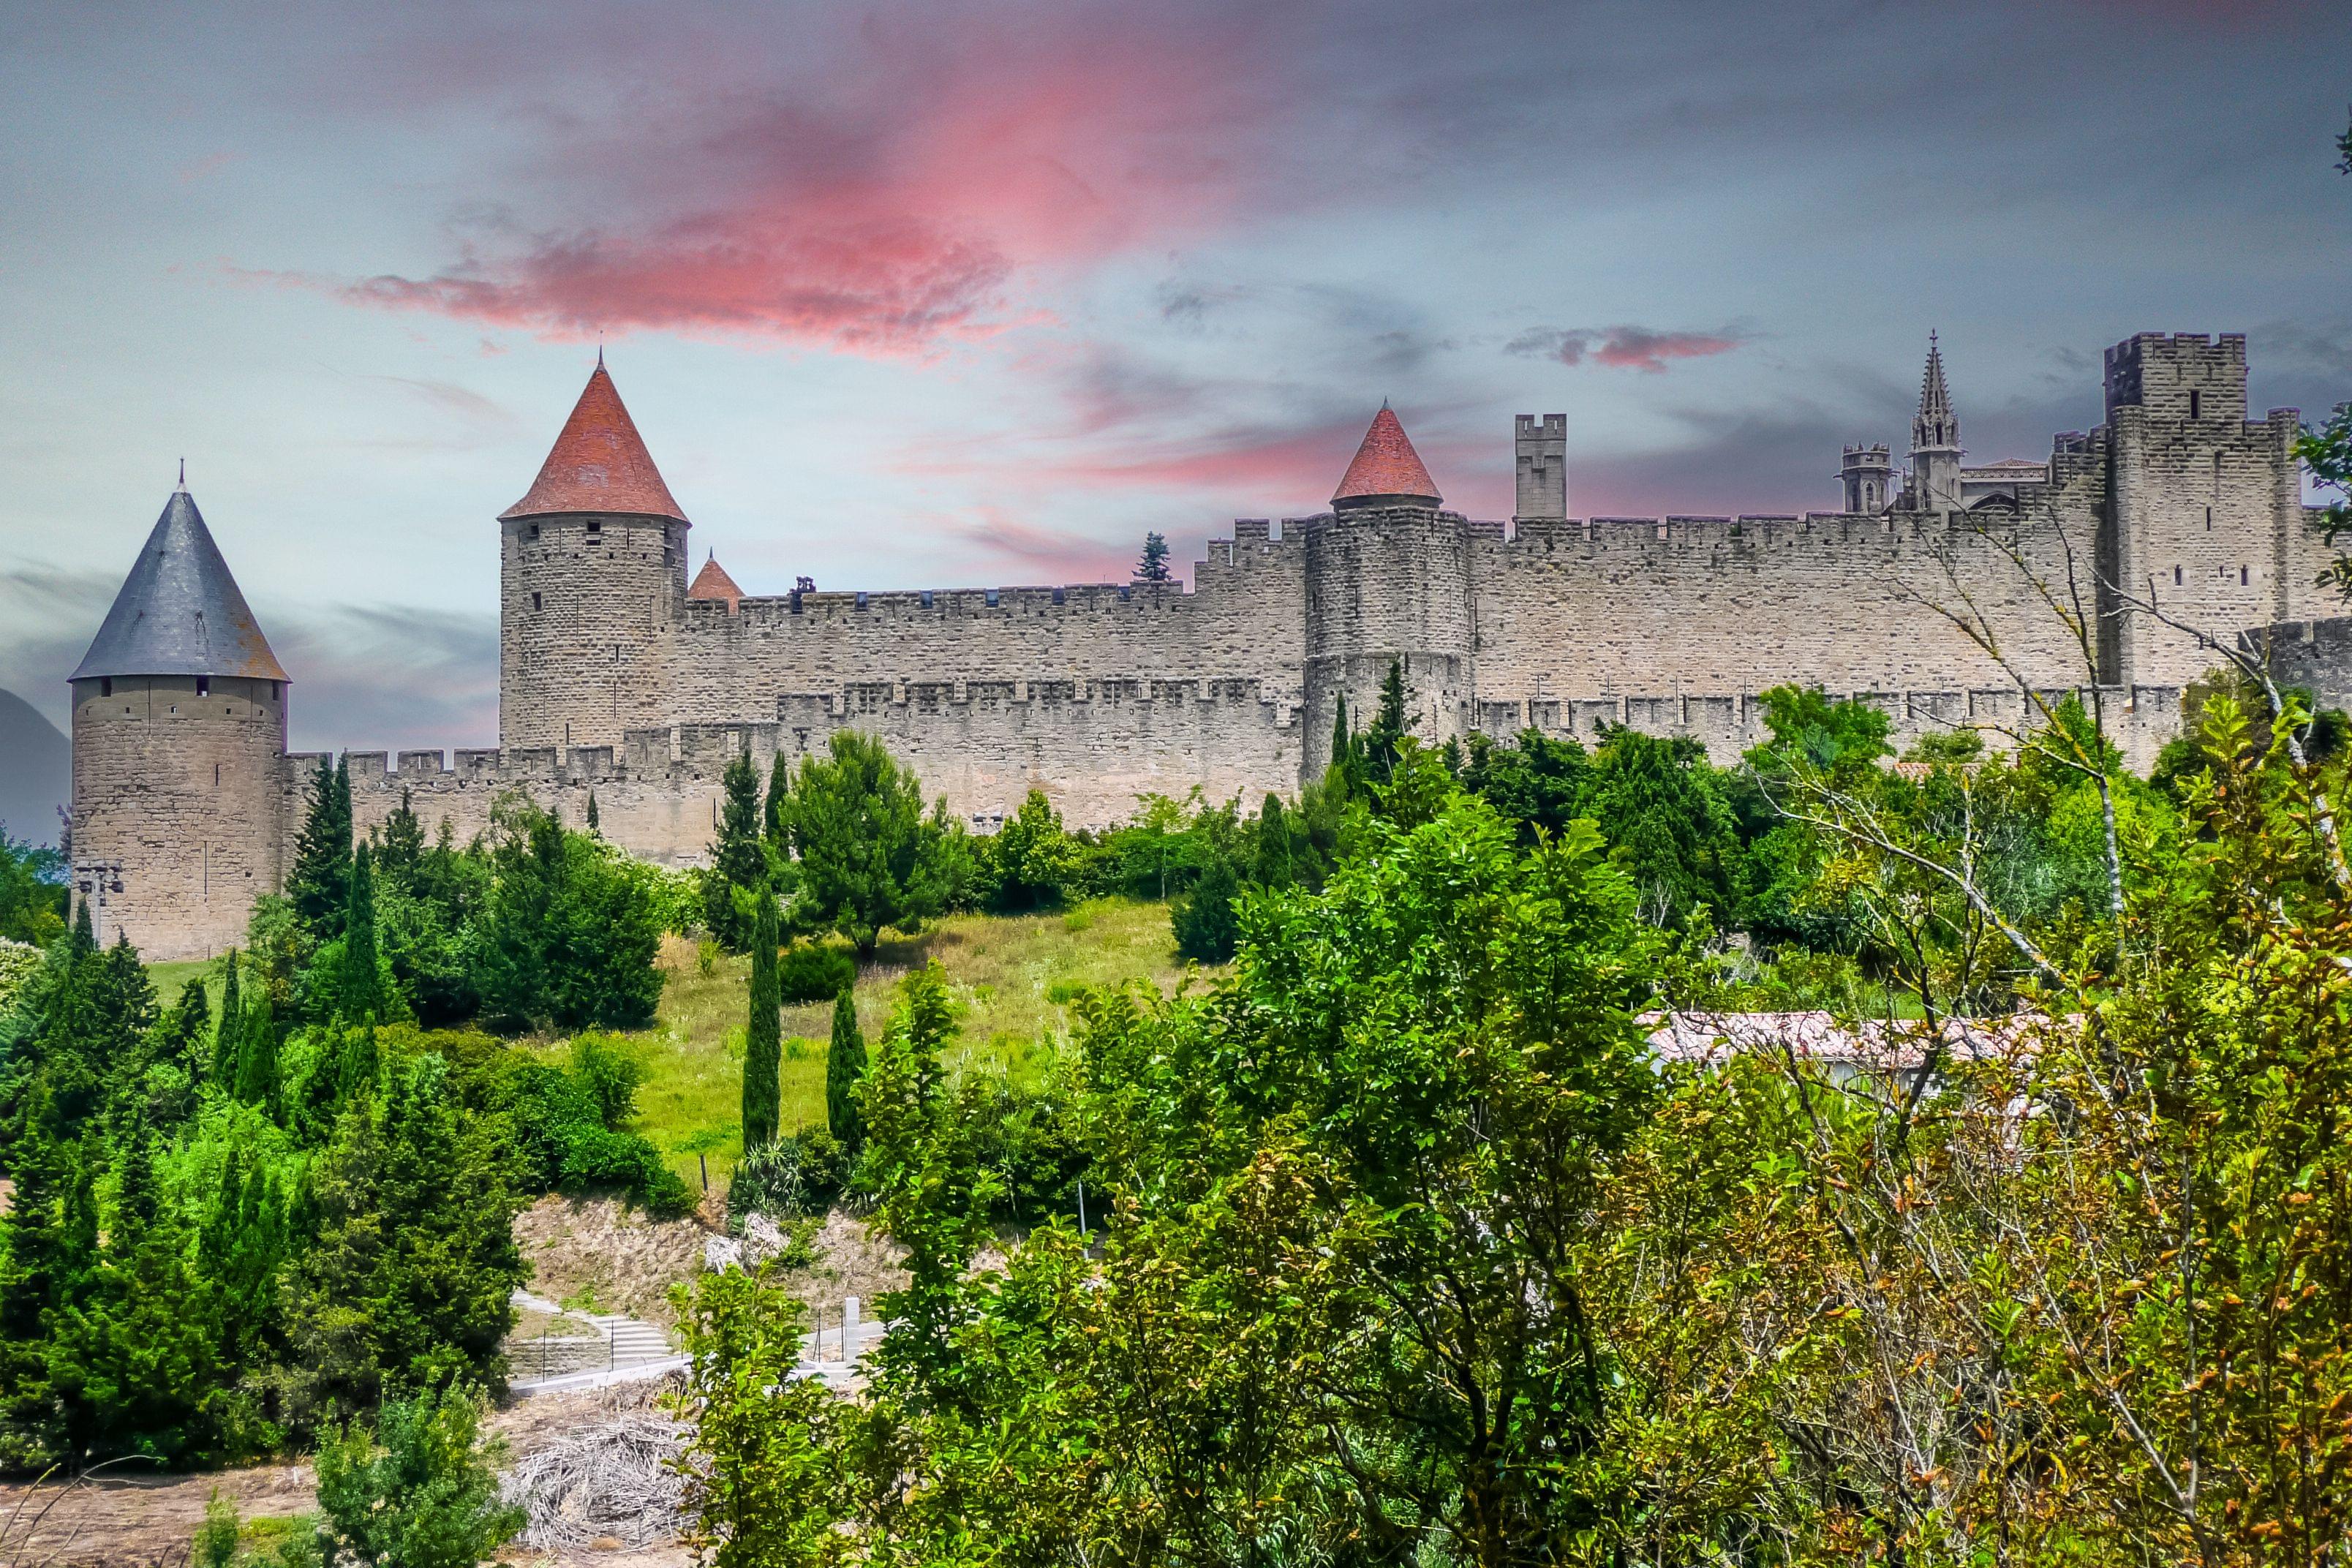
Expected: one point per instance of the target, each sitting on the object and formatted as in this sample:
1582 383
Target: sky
921 296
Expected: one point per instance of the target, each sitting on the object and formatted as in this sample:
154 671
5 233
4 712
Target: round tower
1868 475
591 585
179 745
1387 581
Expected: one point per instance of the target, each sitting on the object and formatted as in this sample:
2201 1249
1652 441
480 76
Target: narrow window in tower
2208 520
534 531
2242 578
215 775
204 686
2196 405
534 602
2176 577
105 686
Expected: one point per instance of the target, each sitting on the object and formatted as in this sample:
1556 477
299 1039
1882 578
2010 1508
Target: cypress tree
356 1063
1342 765
256 1056
85 940
844 1064
594 827
1274 869
737 861
227 1038
318 885
186 1029
1390 725
763 1034
776 817
362 990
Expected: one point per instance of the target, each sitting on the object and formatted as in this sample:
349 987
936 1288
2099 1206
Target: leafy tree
418 1489
1540 781
1661 810
241 1251
258 1081
2326 450
1205 918
183 1038
1154 567
1030 861
611 1074
319 883
570 931
33 892
869 858
844 1064
407 1282
737 864
763 1034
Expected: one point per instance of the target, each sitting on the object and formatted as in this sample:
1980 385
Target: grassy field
1013 975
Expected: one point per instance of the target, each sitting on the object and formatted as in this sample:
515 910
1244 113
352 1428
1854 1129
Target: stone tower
1540 446
1868 475
1935 441
2205 511
1387 580
591 582
179 741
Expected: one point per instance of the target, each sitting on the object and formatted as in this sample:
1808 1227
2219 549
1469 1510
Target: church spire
1935 425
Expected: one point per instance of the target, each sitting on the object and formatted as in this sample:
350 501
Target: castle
1934 592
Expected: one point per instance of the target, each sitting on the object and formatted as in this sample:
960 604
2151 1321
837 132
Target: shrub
18 960
598 1157
425 1497
799 1172
815 972
610 1073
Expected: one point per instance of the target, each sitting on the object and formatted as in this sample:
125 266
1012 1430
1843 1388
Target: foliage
868 858
1153 566
33 892
763 1032
1205 918
2326 452
739 865
844 1064
814 971
318 884
1029 863
418 1488
610 1071
570 931
797 1174
18 962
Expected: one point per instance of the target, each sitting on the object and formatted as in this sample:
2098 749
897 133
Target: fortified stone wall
1244 620
2315 655
178 798
981 745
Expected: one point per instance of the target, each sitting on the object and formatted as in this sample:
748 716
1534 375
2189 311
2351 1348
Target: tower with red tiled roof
1387 582
592 584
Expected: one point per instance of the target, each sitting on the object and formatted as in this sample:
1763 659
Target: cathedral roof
713 582
179 612
1386 468
599 463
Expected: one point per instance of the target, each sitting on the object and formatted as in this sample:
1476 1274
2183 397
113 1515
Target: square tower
1541 448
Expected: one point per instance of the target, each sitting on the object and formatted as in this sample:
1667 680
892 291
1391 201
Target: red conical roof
599 463
713 583
1385 466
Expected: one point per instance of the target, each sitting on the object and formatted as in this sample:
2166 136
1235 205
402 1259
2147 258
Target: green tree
2325 451
869 858
1207 917
319 882
417 1490
1031 860
844 1064
569 930
228 1034
762 1033
1661 808
257 1076
362 993
1540 781
738 867
1391 724
407 1282
33 892
1154 567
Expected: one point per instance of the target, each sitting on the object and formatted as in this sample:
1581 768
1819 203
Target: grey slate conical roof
179 612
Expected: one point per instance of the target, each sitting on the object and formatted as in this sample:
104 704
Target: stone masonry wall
178 796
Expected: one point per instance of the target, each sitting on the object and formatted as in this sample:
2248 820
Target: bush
610 1073
799 1172
426 1497
18 960
564 1142
812 972
598 1157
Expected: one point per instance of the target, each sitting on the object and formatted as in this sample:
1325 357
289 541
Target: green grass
1014 976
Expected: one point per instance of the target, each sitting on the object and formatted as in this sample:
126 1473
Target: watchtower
1540 446
179 744
1388 582
1868 475
592 580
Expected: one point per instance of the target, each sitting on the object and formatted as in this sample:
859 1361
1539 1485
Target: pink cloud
885 216
1625 347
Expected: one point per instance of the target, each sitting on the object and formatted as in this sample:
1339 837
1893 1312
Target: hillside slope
35 771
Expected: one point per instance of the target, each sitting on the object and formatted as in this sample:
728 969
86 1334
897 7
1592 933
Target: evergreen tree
409 1280
1391 724
869 858
1345 770
356 1064
240 1254
844 1064
229 1034
775 821
1275 867
1154 567
763 1034
185 1036
361 995
85 938
256 1057
319 884
735 858
595 824
1206 926
400 844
